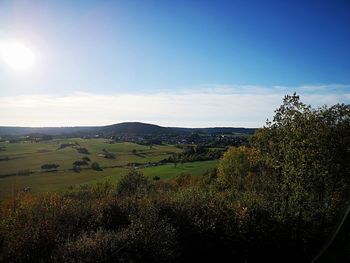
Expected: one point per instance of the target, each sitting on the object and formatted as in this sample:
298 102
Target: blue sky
169 51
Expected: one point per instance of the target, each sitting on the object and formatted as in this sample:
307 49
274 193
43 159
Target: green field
30 156
169 171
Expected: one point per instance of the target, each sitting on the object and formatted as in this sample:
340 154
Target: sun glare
17 56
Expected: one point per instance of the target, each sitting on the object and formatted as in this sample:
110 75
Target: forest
282 197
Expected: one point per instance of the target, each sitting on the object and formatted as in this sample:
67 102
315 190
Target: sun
17 55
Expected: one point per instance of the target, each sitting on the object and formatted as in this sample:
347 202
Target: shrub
86 159
5 158
186 180
49 166
96 166
65 145
147 239
110 156
80 163
133 182
76 168
37 225
235 166
83 150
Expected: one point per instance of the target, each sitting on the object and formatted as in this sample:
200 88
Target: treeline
192 153
278 200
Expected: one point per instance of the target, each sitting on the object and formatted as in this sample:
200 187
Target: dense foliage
278 200
192 153
308 152
49 166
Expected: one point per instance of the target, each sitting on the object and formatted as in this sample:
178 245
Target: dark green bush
133 183
80 163
96 166
33 229
146 239
49 166
86 159
83 150
76 168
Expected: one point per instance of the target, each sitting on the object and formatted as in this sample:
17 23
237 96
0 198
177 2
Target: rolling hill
130 128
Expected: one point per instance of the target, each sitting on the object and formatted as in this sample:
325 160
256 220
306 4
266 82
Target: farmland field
169 171
21 162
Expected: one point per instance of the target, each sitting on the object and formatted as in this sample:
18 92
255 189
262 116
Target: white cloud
223 105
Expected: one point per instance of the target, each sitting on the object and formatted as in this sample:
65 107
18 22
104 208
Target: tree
76 168
236 166
87 159
80 163
49 166
156 178
134 182
308 150
96 166
82 150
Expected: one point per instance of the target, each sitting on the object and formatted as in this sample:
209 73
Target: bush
5 158
186 180
49 166
76 168
96 166
90 225
146 239
65 145
37 225
133 182
86 159
83 150
235 167
80 163
110 156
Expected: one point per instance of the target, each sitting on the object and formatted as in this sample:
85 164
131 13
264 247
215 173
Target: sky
172 63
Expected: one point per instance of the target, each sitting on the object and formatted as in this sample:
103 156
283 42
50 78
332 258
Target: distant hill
133 128
21 131
125 128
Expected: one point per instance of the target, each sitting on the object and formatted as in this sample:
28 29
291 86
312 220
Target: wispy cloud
216 105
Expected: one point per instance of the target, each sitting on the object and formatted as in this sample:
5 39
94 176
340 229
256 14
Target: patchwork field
20 165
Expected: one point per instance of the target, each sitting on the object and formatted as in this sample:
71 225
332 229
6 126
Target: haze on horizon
171 63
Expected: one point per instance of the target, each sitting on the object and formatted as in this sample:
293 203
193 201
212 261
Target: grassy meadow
23 167
169 171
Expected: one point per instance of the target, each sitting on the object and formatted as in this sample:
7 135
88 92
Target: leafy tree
76 168
80 163
156 178
235 167
96 166
83 150
309 152
87 159
49 166
110 156
134 182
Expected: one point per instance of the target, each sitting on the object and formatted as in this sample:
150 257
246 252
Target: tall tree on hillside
309 150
